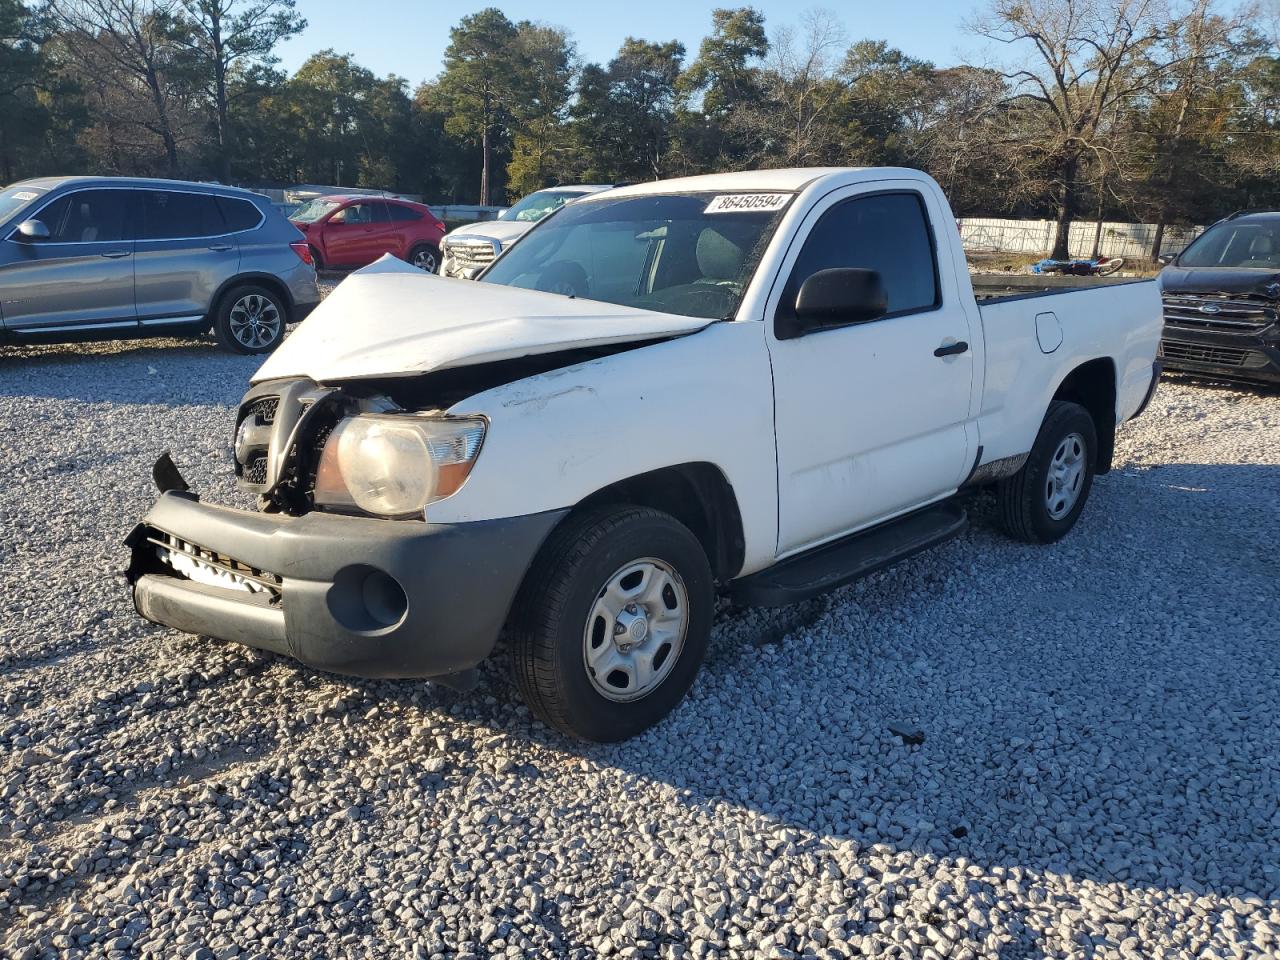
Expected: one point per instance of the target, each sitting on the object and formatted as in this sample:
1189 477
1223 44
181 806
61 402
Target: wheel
425 257
611 624
1107 267
250 319
1042 501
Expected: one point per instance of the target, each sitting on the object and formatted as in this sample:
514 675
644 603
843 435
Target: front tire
250 319
612 622
1043 500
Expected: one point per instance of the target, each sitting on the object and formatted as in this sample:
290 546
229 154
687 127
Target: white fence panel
1035 237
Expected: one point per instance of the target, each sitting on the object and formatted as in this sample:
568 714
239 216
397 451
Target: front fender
558 437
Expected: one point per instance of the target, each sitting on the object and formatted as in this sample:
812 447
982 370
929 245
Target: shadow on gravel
1104 708
165 373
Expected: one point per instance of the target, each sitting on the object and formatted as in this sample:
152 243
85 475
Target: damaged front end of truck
345 439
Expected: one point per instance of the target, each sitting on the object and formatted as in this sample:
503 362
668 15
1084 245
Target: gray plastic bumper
330 603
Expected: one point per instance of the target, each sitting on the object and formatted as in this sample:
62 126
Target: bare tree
1088 60
800 91
129 46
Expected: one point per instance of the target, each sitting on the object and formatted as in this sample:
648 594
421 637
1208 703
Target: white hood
506 232
391 319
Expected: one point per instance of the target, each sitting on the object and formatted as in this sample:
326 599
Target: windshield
537 205
15 198
314 210
688 254
1242 245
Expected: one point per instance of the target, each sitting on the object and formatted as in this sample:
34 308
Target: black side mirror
838 297
33 230
1165 259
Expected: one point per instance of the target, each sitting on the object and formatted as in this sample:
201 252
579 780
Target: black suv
1222 301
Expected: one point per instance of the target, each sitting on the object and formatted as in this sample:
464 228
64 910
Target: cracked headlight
393 465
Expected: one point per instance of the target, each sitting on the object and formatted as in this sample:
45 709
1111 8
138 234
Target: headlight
395 464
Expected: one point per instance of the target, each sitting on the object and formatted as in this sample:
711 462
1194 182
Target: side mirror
839 297
33 230
1165 259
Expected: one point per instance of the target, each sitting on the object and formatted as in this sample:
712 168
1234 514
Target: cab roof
791 179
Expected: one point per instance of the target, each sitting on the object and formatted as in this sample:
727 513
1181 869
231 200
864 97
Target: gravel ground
1099 774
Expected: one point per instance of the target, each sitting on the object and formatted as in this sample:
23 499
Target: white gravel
1099 776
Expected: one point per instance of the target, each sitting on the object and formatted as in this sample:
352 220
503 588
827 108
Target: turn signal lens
393 465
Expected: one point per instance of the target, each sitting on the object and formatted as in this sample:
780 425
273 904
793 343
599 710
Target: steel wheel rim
425 260
1065 477
636 630
255 321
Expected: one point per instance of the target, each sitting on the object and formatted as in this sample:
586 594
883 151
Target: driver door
870 421
81 275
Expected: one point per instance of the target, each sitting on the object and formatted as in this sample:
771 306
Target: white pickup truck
760 384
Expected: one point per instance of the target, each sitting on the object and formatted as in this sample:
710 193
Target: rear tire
425 257
250 319
1042 501
628 590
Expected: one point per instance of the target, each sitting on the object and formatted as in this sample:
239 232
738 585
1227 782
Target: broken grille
203 565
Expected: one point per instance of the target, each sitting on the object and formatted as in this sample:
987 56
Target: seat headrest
719 256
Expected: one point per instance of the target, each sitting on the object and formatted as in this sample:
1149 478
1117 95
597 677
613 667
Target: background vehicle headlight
394 465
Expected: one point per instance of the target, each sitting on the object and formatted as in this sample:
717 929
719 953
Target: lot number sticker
747 202
25 195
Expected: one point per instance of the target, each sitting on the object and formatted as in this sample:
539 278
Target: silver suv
87 258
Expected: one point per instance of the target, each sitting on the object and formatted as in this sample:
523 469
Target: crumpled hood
505 232
391 319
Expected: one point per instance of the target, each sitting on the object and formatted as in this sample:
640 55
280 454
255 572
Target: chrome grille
1180 350
1218 313
202 565
471 253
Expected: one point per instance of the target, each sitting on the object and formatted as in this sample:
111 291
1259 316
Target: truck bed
1034 339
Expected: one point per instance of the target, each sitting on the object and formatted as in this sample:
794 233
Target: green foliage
1151 112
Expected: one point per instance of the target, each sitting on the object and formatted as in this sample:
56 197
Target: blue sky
408 37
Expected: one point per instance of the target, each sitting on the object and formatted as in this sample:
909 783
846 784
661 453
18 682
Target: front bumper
1237 356
322 591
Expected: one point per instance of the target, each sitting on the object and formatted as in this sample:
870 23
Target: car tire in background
425 257
1042 501
611 624
250 319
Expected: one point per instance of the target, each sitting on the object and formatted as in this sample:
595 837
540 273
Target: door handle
220 247
116 254
951 349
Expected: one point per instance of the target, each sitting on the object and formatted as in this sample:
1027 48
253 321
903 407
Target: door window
169 215
239 214
888 233
403 214
87 216
363 213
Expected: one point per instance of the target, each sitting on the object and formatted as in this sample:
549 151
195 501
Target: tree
791 125
128 52
724 79
226 36
624 111
1089 59
479 85
541 142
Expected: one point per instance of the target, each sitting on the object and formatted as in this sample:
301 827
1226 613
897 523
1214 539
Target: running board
836 564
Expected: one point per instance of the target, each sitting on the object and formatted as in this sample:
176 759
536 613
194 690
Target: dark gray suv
101 258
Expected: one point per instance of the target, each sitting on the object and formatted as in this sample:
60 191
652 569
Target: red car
355 231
